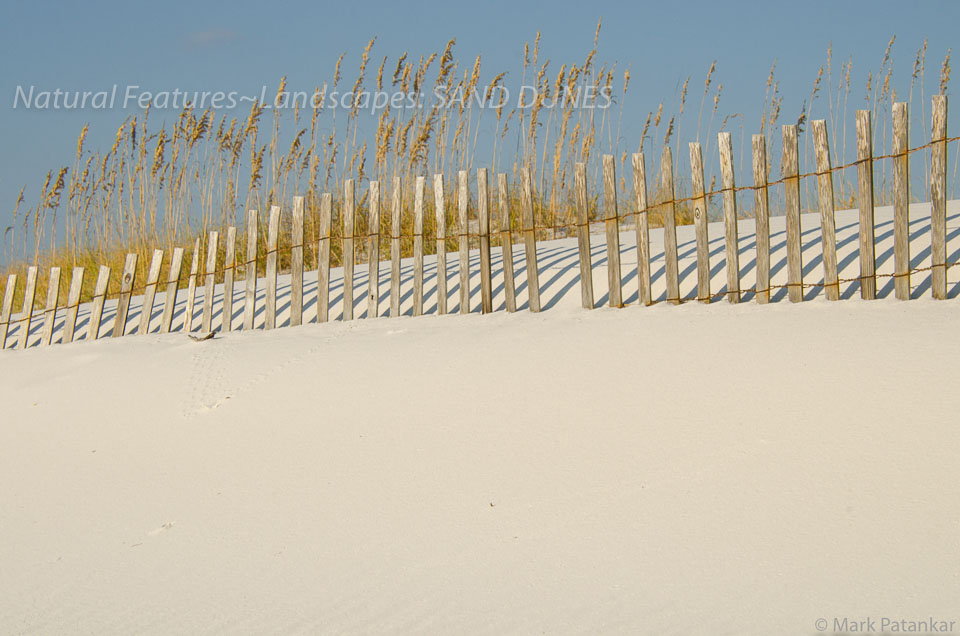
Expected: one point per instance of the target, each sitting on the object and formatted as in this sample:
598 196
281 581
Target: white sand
696 469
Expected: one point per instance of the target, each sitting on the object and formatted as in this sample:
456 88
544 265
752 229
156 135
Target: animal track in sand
265 376
207 381
209 384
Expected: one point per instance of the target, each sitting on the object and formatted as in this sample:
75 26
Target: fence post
701 221
506 244
229 270
938 198
211 267
6 308
762 218
99 297
418 192
583 236
173 284
790 169
73 306
828 230
150 291
483 217
612 226
273 241
349 228
901 201
441 212
530 241
463 239
396 228
250 271
323 258
868 264
731 232
126 289
296 263
373 252
192 287
29 295
50 313
672 268
643 228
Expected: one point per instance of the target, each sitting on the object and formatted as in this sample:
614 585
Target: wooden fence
500 223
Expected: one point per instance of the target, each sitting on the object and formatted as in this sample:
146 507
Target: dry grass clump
163 186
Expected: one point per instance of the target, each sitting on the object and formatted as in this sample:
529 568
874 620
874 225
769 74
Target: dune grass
163 186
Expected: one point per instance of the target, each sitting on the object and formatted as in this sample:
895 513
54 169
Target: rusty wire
192 278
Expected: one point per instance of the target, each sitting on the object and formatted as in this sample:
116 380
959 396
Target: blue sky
242 45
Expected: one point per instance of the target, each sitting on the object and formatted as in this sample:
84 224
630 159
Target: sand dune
702 469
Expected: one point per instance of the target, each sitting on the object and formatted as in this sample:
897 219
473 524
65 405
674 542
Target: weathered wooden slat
50 312
418 192
296 263
99 297
530 240
668 208
229 271
173 285
213 246
349 231
396 228
192 287
506 244
6 308
150 291
868 263
761 213
790 169
938 198
901 201
29 297
643 228
273 252
73 306
463 239
126 289
250 271
731 233
323 258
583 235
828 228
440 207
373 252
700 222
483 218
612 226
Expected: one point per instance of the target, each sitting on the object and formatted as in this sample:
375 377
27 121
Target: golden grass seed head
945 73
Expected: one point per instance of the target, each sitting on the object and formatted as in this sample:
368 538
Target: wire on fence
140 288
